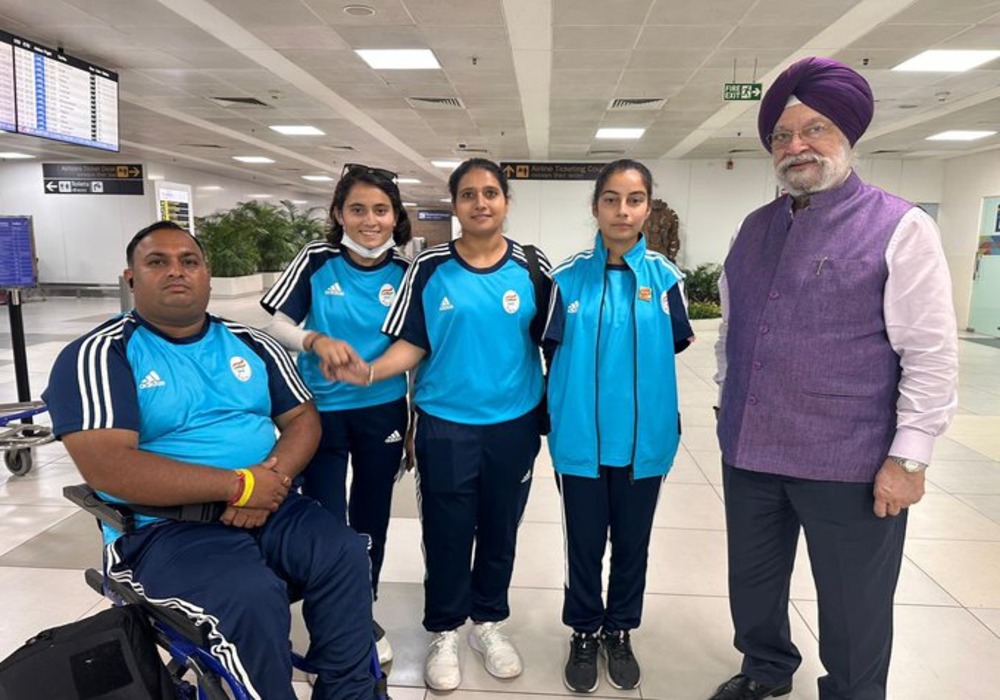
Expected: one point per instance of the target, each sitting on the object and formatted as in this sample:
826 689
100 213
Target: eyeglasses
813 132
377 172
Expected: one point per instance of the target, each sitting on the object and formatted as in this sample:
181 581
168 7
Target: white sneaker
499 654
382 644
441 670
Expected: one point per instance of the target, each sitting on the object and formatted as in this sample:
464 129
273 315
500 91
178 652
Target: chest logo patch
665 303
645 294
386 294
151 381
446 305
511 301
334 290
573 307
241 368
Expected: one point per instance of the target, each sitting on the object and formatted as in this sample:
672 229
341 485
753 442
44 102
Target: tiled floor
947 641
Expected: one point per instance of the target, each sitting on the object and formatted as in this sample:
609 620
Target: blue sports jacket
572 386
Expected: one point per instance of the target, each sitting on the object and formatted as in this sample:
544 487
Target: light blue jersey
333 295
616 379
209 399
482 367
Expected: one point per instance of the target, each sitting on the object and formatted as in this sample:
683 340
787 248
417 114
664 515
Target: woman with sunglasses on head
619 318
466 315
328 304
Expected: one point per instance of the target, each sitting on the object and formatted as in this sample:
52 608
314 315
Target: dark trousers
473 484
373 438
235 582
855 558
591 509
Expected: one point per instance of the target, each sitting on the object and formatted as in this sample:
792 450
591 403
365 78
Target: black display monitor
64 98
8 120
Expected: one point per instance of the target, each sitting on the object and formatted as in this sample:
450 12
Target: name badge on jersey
511 301
386 294
241 368
645 294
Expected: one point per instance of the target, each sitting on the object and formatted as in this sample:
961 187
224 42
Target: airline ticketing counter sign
551 171
92 178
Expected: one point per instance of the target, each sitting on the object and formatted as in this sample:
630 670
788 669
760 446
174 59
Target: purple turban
834 90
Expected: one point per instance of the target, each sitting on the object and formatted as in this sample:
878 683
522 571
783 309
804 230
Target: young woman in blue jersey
618 320
328 304
463 314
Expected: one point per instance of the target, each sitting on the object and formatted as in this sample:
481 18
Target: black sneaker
580 674
623 669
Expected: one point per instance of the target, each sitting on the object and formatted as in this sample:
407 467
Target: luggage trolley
18 437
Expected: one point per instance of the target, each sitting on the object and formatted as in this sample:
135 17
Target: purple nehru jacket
811 380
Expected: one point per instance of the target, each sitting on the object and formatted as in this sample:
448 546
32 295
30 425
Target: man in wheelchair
168 406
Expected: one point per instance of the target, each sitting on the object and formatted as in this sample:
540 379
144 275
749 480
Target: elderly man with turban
837 370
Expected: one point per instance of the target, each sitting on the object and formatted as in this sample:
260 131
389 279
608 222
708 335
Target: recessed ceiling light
947 61
409 204
450 164
407 181
300 201
448 200
258 196
359 10
619 133
317 178
11 155
253 159
399 59
960 135
209 188
292 130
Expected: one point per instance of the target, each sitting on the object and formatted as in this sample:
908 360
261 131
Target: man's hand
353 373
896 489
244 517
270 486
333 354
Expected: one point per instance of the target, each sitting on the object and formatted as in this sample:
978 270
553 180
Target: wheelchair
184 642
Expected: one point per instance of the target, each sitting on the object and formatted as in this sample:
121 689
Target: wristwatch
910 466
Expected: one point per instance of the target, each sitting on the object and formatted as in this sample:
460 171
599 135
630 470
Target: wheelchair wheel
18 461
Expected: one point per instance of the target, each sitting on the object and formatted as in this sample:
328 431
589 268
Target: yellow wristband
248 484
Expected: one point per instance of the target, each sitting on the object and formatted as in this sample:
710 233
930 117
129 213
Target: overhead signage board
551 171
64 98
17 253
8 119
734 92
173 203
433 215
92 178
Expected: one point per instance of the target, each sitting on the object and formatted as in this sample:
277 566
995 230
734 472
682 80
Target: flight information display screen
7 119
64 98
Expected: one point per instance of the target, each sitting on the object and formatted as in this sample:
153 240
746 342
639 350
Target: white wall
82 238
966 181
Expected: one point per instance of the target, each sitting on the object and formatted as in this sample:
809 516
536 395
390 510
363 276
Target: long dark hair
401 232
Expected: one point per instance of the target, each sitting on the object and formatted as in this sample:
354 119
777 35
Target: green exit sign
742 91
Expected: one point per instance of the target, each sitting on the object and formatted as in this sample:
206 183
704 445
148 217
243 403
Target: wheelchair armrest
118 516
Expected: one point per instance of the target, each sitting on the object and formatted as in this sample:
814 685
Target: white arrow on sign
51 186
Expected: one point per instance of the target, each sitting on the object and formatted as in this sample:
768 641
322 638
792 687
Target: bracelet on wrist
245 489
310 341
371 375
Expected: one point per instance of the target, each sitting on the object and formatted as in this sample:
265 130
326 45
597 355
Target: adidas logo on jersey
151 381
334 290
573 307
445 305
395 437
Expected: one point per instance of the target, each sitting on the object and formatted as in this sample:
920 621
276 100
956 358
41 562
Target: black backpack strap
538 281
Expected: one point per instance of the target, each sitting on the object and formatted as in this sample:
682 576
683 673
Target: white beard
832 171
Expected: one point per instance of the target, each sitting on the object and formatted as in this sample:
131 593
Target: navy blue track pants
473 485
236 581
592 508
373 437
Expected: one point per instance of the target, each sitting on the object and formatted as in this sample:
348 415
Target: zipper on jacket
635 380
597 369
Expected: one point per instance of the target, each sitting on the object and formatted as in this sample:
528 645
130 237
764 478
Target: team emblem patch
241 368
665 303
511 301
645 294
386 294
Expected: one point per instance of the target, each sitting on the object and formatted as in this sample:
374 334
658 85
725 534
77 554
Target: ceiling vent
735 151
435 103
606 153
201 145
471 150
238 102
885 152
337 148
636 104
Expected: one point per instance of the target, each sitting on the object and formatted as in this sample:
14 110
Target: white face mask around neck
366 253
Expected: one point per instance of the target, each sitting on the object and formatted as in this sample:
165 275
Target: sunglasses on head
377 172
